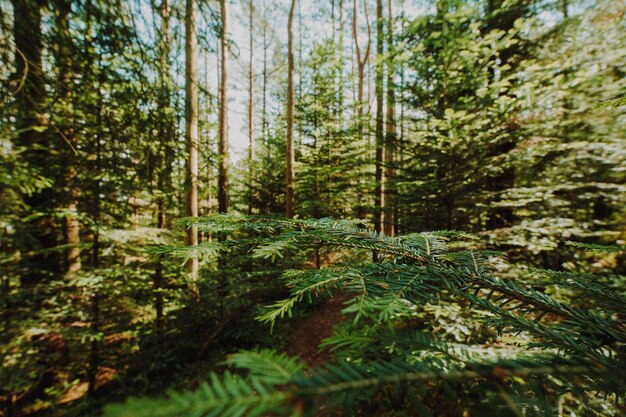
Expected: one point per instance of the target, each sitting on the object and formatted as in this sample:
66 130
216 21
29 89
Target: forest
325 208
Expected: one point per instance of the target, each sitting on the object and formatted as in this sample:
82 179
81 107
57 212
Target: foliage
509 123
333 158
547 351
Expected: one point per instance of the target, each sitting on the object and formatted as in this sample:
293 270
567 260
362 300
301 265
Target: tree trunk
251 104
163 174
379 192
222 144
63 60
191 131
361 63
289 188
94 348
300 70
390 138
340 79
264 99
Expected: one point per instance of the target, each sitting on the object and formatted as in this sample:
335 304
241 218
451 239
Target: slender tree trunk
63 60
289 189
250 88
222 144
264 101
251 102
390 138
340 81
94 349
361 62
163 174
209 144
564 7
191 131
332 18
400 151
379 193
300 69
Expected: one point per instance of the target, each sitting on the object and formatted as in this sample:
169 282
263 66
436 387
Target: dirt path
304 340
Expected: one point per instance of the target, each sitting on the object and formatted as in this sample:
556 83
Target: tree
361 61
290 156
379 186
390 130
164 152
330 181
251 154
222 143
63 57
502 124
191 128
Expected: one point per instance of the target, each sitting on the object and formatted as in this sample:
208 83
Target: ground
305 338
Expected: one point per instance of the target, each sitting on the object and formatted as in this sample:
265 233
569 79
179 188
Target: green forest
309 208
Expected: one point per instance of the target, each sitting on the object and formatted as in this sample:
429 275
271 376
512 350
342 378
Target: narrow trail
304 340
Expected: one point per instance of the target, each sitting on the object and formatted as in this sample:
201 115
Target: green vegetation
522 347
321 208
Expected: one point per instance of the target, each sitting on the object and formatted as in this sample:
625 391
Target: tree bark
361 63
300 70
251 102
390 138
163 174
222 144
340 71
264 102
191 131
63 60
379 192
289 188
250 89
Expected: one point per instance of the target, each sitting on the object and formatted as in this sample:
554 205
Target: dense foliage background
472 154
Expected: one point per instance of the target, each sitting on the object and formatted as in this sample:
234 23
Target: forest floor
305 338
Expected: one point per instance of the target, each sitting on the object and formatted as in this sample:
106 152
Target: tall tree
63 59
379 190
222 142
361 60
390 137
264 75
250 88
290 157
191 129
164 158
